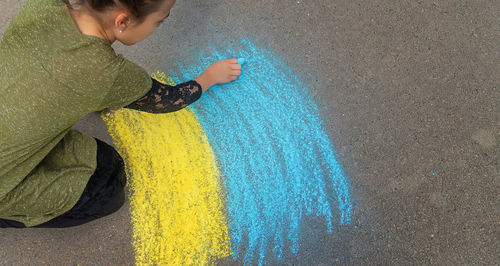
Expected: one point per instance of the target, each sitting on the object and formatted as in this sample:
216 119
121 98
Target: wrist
205 82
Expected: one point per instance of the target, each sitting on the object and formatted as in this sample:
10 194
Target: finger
235 72
233 61
235 66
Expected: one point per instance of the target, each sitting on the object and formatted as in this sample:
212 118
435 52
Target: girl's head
130 21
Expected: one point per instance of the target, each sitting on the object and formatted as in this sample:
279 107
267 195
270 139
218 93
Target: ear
122 20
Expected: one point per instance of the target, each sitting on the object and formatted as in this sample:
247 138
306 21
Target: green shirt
51 75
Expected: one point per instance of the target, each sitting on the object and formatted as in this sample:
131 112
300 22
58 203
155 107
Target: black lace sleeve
164 98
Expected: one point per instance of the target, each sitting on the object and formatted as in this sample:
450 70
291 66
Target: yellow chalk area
176 200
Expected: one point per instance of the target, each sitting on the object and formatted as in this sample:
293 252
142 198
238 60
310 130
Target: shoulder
43 3
35 8
37 20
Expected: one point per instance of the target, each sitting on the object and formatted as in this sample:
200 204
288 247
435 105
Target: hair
139 9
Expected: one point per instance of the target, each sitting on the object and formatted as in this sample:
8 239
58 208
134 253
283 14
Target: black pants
103 195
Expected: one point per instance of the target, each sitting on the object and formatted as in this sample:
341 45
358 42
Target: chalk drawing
257 144
276 159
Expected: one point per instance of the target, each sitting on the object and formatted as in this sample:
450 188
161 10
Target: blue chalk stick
241 61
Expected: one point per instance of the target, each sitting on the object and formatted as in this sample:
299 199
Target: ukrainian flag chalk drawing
251 156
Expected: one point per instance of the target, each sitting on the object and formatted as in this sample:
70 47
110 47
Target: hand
219 73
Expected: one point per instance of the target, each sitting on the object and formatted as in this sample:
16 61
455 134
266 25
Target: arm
164 98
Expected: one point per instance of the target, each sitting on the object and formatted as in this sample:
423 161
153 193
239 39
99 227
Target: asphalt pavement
409 96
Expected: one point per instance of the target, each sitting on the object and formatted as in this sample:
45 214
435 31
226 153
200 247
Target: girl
56 66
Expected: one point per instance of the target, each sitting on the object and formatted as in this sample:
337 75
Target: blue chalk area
273 151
